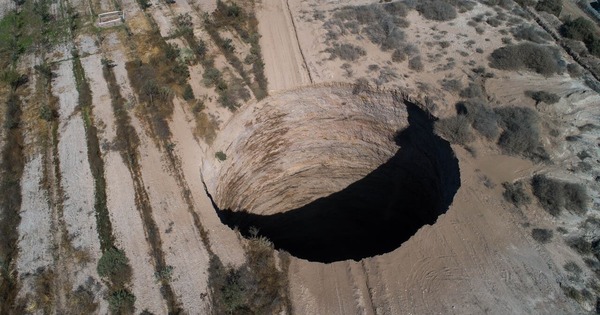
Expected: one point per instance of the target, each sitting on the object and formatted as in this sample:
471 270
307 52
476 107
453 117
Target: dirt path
284 64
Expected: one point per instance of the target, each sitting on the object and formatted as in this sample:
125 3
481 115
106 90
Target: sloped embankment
328 174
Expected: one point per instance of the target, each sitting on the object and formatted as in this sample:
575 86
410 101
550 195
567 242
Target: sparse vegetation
114 265
121 301
256 287
555 195
347 52
437 10
527 56
515 194
245 25
543 96
521 132
542 236
455 129
530 33
550 6
481 117
583 30
416 64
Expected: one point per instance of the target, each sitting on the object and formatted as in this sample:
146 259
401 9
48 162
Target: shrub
554 195
201 48
360 85
583 30
515 194
121 301
542 235
482 118
550 6
543 96
46 113
521 134
580 245
171 51
221 156
211 76
437 10
453 85
415 64
346 52
530 33
454 129
472 91
114 265
188 93
538 58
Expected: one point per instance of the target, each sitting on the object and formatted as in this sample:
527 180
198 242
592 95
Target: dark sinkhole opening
373 215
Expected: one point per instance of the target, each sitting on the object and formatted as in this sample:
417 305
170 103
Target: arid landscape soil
299 157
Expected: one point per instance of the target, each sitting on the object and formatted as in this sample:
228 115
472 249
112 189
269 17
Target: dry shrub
256 287
482 118
530 33
542 235
527 56
521 132
455 129
416 64
555 195
346 52
543 96
515 194
437 10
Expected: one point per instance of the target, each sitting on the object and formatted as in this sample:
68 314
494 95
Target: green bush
114 265
527 56
455 129
121 301
221 156
515 194
554 195
472 91
188 93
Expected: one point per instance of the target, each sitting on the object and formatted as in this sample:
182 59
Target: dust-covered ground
105 130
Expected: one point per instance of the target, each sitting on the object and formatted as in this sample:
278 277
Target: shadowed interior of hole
373 215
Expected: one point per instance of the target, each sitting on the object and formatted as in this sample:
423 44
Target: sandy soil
284 64
466 263
35 229
77 181
223 241
125 218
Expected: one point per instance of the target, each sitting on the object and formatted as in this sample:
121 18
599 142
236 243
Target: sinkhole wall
329 175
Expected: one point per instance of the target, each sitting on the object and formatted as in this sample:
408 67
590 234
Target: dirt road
284 64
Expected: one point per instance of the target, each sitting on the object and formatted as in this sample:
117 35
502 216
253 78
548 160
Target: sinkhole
353 210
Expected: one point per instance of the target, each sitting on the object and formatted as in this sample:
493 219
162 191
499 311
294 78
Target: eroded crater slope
328 174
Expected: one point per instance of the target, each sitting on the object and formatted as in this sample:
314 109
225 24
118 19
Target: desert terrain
299 157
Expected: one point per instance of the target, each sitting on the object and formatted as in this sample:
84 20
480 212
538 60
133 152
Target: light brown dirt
284 64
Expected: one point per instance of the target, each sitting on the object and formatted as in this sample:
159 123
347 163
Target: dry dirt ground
479 257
